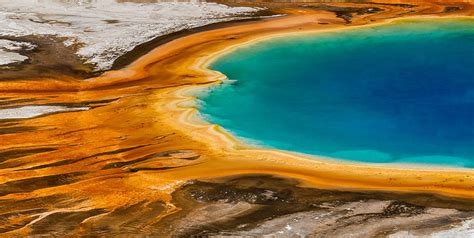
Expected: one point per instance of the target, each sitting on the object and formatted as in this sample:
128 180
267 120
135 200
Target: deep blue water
396 93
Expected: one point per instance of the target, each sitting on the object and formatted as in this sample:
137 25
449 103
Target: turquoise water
399 93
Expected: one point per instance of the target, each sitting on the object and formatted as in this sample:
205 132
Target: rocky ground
264 205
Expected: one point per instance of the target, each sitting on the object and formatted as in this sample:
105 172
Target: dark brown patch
346 13
452 9
18 153
32 184
71 161
111 21
16 129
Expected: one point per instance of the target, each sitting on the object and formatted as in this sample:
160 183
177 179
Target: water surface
402 92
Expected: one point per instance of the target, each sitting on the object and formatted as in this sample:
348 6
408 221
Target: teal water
398 93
